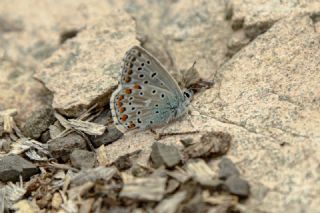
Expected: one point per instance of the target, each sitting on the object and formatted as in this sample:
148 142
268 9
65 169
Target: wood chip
179 174
87 127
12 193
24 144
2 201
56 200
79 191
102 156
145 189
171 204
8 122
86 205
202 173
99 173
25 206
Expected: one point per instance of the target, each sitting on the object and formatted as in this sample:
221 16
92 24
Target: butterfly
147 96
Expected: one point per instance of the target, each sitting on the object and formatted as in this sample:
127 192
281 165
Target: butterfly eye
141 93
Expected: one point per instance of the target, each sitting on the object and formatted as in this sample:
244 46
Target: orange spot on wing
122 109
121 97
136 86
127 79
129 72
119 104
128 91
124 118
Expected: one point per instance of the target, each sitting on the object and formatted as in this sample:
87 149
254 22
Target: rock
11 166
266 98
173 27
162 154
187 141
111 134
211 143
29 35
63 146
88 65
38 122
20 90
237 186
227 169
45 136
257 17
82 159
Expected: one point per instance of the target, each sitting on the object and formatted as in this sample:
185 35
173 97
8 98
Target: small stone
237 186
11 166
227 169
186 142
45 136
162 154
61 147
110 135
210 144
124 162
38 122
82 159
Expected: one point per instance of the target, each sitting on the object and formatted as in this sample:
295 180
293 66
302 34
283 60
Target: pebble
38 122
227 169
162 154
237 186
62 147
11 166
82 159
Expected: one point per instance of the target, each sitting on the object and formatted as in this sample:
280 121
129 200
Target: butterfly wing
147 95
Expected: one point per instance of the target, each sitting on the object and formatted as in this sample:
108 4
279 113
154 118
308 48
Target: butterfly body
147 95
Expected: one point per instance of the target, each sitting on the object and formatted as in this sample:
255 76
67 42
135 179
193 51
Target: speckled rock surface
30 31
85 69
181 32
267 98
257 16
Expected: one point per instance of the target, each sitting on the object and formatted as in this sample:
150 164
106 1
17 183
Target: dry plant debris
64 176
